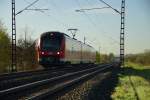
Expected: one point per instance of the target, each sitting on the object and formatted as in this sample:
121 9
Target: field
134 83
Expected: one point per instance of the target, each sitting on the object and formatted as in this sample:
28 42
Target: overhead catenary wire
110 6
95 26
82 10
27 7
36 9
114 40
58 11
85 14
88 18
48 15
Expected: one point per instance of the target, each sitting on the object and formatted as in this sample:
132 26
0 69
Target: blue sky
100 27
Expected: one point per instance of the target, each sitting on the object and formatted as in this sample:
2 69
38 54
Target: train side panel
78 52
88 55
72 51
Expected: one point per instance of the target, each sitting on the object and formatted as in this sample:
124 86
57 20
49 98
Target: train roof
45 33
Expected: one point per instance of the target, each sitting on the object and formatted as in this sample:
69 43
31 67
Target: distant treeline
141 58
104 58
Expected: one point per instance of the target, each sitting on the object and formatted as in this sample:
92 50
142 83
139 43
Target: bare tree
26 52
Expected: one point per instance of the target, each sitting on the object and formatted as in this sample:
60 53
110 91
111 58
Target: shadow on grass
128 71
103 89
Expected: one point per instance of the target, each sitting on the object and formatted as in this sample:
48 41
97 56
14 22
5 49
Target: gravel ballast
97 88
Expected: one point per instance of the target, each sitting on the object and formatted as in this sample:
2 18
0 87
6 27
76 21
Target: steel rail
65 85
6 84
13 75
33 85
28 79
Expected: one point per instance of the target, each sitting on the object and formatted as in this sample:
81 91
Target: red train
53 48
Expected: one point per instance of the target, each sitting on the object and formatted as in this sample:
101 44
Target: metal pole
14 60
84 40
99 54
14 51
122 32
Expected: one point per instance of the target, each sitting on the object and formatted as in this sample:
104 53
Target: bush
141 58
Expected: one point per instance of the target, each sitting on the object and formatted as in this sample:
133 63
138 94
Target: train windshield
51 43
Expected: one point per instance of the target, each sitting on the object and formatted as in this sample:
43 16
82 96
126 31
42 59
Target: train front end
51 49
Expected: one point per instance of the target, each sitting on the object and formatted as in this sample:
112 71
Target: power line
37 9
109 6
59 12
48 15
82 10
27 7
86 15
103 29
90 20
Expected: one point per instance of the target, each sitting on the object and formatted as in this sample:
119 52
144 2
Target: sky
100 27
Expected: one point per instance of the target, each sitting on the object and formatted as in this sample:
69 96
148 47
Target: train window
51 43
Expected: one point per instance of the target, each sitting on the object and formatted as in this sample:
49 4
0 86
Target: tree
4 49
104 58
111 57
98 57
26 52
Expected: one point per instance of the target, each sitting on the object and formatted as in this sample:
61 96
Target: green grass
134 83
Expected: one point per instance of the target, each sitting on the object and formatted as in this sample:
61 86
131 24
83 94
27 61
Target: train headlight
58 53
42 53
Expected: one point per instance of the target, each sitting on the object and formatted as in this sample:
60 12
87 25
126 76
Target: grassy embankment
134 83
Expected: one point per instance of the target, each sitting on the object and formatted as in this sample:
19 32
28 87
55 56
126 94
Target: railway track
46 83
19 78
